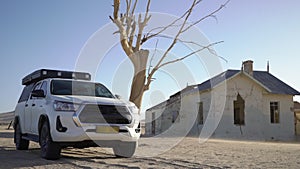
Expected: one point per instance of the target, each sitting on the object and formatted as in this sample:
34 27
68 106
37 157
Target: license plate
107 129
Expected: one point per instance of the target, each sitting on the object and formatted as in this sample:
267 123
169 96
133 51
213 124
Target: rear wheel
21 144
49 149
125 149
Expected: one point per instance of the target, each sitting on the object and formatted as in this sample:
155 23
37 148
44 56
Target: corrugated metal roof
217 79
266 79
272 83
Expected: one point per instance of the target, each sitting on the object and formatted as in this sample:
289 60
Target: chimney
268 67
248 67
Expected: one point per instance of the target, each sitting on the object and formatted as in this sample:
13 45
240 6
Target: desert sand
155 153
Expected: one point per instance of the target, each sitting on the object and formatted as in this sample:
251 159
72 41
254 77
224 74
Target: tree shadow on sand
6 135
103 160
81 158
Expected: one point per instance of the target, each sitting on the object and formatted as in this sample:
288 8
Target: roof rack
47 73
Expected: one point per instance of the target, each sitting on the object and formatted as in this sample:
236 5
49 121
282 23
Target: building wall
297 122
219 113
251 93
286 128
257 113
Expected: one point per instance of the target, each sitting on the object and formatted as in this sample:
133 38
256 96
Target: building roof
265 79
271 83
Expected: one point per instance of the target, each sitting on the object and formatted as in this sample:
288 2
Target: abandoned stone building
236 104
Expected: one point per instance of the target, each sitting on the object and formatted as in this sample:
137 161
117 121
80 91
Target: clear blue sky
50 34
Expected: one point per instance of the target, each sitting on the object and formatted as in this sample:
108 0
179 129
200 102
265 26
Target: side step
31 137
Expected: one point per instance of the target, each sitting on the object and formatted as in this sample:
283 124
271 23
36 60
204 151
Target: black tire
49 149
125 149
21 144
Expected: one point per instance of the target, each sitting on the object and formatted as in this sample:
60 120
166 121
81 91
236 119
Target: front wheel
21 144
125 149
49 149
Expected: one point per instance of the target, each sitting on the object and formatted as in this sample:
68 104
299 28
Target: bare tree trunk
131 29
139 60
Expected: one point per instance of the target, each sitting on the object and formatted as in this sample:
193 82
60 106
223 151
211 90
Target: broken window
239 110
153 123
175 115
274 112
200 113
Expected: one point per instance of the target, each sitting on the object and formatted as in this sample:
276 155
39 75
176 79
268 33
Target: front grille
109 114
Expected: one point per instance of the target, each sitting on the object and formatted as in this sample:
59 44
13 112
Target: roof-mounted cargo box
47 73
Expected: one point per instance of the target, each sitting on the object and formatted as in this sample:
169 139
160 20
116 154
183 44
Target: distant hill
6 118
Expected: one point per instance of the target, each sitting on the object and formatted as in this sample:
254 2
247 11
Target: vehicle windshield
79 88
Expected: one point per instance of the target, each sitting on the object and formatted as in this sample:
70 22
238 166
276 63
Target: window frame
274 116
200 116
175 116
26 93
239 111
37 86
71 92
43 87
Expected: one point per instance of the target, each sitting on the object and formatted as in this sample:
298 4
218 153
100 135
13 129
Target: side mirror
118 96
38 93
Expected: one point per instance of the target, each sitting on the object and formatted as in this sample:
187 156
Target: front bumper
78 132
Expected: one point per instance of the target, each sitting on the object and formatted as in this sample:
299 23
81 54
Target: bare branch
128 24
123 33
116 8
181 30
134 6
163 28
152 57
112 19
140 32
212 14
133 28
142 25
147 10
158 65
190 54
212 51
172 24
128 17
176 37
128 4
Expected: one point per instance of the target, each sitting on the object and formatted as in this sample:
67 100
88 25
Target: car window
44 87
26 93
79 88
36 87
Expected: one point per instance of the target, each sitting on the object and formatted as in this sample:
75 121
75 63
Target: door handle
33 105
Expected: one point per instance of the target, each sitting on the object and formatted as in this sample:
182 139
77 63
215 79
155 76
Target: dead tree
132 37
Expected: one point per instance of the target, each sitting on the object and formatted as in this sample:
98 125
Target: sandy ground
189 153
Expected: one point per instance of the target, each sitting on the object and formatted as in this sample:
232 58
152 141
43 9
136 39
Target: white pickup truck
60 109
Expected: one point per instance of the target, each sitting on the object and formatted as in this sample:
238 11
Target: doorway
153 124
297 123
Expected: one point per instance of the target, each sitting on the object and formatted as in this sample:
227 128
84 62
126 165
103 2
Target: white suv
61 109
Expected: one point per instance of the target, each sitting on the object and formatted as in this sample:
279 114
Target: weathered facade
237 104
297 118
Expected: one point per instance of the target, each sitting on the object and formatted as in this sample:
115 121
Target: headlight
135 112
65 106
133 109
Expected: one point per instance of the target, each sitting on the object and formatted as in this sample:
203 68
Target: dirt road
189 153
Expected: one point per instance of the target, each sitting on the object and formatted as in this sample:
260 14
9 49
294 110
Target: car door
38 108
29 105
